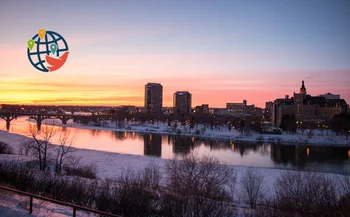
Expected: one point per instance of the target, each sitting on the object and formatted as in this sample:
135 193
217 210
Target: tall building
182 102
153 98
306 108
299 101
268 110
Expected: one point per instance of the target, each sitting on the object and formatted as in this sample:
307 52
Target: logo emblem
47 51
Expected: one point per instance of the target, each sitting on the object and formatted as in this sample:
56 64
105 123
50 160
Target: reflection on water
152 145
303 157
183 145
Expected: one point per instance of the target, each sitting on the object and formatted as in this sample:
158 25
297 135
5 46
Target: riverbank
316 137
110 165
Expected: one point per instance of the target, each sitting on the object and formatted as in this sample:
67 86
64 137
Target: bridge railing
75 207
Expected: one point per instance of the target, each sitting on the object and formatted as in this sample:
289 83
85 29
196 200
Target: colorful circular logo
47 51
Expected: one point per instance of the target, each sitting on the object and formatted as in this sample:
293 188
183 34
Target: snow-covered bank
112 164
108 164
316 137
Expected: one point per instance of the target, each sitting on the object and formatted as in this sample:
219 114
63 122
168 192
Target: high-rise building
153 98
268 110
182 102
299 101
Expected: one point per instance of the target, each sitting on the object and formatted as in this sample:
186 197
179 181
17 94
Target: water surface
299 157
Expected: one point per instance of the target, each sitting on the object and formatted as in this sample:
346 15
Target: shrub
306 194
344 184
134 196
5 148
132 193
253 187
23 177
84 171
17 175
198 187
24 147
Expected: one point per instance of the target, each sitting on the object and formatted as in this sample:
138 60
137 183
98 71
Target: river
282 156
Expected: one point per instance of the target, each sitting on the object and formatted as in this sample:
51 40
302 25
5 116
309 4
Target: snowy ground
14 205
111 164
220 133
108 165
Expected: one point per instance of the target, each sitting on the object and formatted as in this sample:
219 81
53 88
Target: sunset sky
219 50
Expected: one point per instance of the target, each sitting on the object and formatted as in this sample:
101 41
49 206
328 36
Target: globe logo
47 51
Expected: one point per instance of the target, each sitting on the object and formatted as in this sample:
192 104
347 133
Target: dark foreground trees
40 145
198 187
253 189
192 187
5 148
306 194
303 194
131 193
65 141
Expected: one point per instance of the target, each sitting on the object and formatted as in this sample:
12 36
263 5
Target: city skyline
148 94
218 51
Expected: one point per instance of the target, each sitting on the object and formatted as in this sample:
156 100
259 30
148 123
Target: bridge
39 117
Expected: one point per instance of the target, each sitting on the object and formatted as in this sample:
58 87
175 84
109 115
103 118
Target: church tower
303 89
299 102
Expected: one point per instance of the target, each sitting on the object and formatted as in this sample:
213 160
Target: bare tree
41 143
5 148
152 175
306 194
344 185
198 187
253 187
65 141
24 147
132 193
